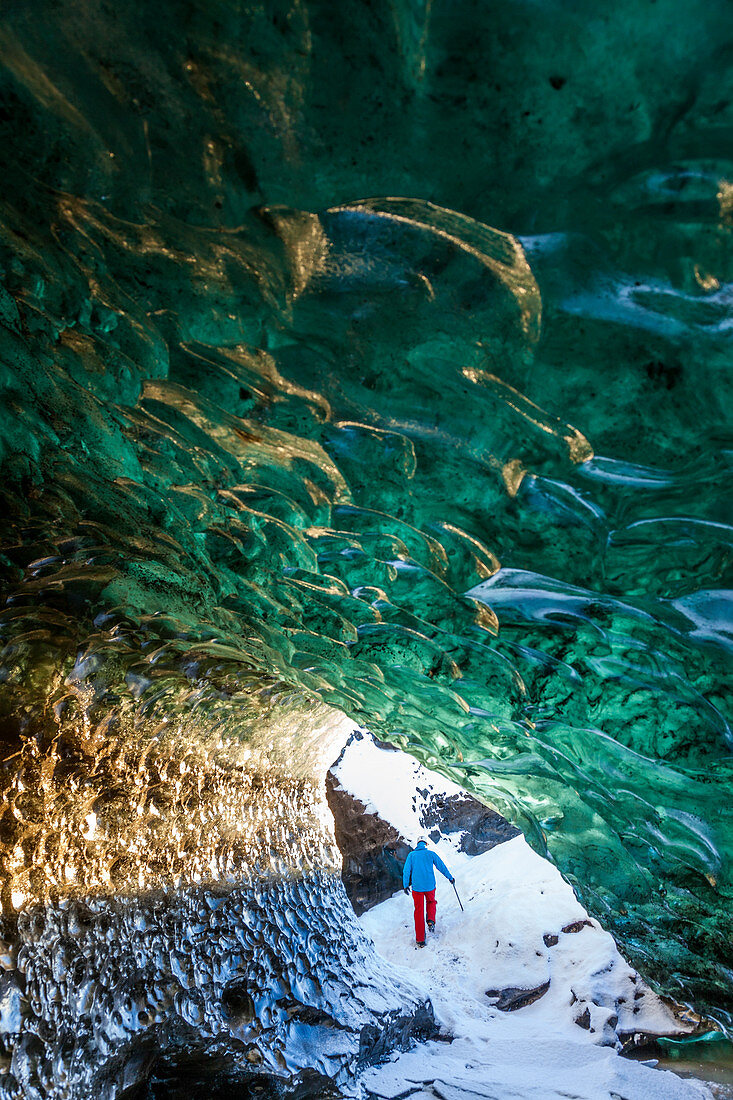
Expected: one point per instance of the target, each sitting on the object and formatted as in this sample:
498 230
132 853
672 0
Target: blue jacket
419 868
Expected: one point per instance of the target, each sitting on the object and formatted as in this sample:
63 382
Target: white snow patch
391 783
512 1065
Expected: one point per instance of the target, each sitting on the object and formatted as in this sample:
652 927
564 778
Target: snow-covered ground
564 1045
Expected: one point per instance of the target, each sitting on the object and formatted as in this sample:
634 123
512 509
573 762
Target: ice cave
365 366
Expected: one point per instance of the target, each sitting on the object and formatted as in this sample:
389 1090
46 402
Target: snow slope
561 1046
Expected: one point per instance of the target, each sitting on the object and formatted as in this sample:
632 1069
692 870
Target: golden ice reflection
166 804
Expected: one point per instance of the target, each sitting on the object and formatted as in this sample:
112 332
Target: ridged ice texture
261 436
112 957
274 977
142 801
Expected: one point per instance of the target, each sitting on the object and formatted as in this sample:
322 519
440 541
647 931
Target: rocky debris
598 1020
576 926
483 828
512 999
609 1003
690 1024
396 1032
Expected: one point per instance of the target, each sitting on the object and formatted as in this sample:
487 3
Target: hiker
419 870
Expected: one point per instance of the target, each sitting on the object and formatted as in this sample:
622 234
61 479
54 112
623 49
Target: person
419 872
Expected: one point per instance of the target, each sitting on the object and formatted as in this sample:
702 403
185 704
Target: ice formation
367 362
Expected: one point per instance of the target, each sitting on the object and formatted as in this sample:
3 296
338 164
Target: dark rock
396 1032
636 1041
577 925
550 939
484 828
126 1074
211 1072
311 1085
511 998
583 1020
373 851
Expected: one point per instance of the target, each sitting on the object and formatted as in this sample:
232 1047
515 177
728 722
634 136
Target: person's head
422 843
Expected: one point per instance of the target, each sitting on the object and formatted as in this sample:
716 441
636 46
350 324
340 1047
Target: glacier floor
534 1053
514 902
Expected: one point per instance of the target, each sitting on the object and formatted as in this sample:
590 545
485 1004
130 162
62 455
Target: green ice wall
263 431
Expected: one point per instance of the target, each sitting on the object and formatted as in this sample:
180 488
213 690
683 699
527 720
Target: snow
512 899
505 1067
391 783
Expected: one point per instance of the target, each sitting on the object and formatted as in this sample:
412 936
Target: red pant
420 899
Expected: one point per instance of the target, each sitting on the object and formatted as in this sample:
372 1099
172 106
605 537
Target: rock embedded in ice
511 999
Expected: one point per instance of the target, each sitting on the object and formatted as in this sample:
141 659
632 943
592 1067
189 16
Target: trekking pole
459 900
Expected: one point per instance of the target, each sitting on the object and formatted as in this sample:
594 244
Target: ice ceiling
453 463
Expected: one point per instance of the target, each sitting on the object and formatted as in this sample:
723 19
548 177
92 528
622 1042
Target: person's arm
406 871
442 867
